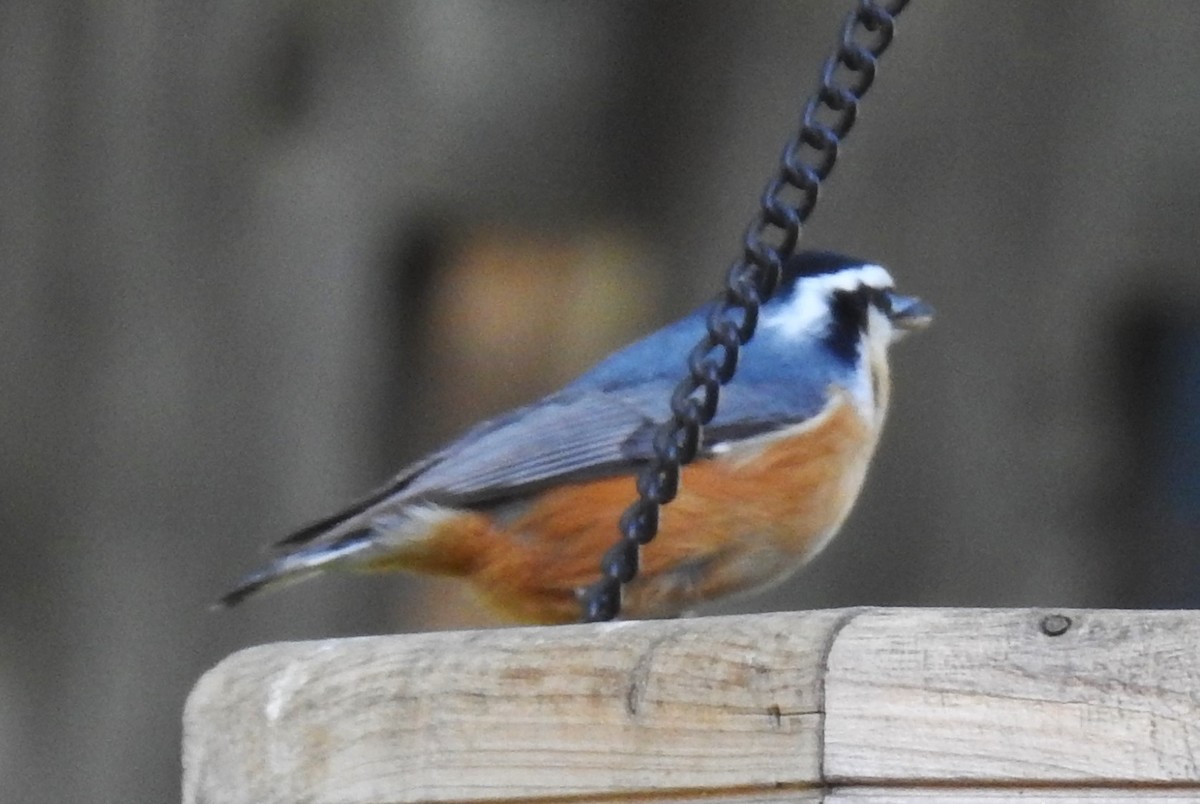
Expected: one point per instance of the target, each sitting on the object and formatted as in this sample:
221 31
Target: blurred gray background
256 257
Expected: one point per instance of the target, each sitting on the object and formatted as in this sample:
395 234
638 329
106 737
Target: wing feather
563 438
581 435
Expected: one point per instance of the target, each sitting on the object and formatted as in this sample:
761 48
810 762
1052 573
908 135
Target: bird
523 506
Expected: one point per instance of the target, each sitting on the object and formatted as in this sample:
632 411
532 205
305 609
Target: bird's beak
909 312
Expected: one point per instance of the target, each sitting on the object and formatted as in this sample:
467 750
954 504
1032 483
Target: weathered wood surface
859 706
705 704
996 795
986 696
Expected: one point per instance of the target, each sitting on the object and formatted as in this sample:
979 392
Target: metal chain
769 241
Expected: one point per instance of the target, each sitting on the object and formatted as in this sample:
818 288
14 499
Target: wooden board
999 795
707 704
966 696
860 706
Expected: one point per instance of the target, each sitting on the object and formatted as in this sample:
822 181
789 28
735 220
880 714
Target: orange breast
741 521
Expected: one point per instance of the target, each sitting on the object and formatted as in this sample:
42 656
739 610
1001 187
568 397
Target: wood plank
724 705
998 795
986 696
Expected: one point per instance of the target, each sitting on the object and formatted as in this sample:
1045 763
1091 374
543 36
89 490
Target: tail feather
298 566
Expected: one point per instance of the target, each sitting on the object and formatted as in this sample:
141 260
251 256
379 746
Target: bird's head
840 300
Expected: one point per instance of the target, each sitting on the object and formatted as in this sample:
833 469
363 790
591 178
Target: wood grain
998 795
967 695
705 705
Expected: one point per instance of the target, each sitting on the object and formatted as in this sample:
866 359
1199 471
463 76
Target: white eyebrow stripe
808 309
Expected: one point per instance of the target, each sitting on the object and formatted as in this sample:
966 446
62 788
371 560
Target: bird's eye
850 307
882 299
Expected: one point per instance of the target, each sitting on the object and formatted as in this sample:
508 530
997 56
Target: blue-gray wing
582 434
563 437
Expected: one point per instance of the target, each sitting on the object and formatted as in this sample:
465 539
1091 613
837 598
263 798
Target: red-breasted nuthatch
524 505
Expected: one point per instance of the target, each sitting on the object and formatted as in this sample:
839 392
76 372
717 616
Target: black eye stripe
881 299
851 305
848 321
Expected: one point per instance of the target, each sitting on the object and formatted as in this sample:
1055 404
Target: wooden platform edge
842 705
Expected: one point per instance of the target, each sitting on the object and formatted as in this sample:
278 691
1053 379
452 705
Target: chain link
769 241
